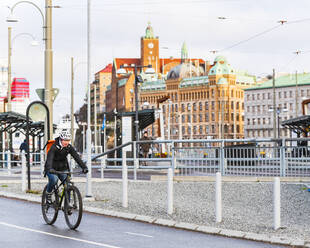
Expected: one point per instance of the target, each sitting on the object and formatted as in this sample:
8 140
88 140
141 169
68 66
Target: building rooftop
285 81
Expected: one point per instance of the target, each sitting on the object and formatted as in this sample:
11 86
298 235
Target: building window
207 128
194 107
302 92
258 121
249 121
291 94
237 105
253 109
207 105
232 104
264 121
200 118
253 97
176 108
188 118
263 96
212 105
183 108
285 94
188 107
213 117
237 117
194 118
232 116
253 121
183 118
200 130
200 106
207 117
269 95
248 109
213 129
183 130
258 96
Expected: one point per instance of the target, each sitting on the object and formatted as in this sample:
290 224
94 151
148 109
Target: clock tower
150 49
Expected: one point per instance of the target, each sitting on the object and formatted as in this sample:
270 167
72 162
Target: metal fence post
170 191
23 171
218 197
42 162
125 181
282 159
135 161
276 204
9 162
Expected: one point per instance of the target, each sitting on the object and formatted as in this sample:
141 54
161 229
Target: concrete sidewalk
12 189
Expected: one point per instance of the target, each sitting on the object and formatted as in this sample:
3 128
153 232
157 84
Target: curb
179 225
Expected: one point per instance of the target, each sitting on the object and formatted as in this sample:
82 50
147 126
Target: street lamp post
48 53
10 43
138 79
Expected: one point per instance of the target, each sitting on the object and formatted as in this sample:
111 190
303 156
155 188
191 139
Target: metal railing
241 157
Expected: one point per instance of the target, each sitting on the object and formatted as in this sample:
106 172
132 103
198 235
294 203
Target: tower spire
184 53
149 33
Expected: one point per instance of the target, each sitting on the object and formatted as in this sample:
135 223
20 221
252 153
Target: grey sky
117 26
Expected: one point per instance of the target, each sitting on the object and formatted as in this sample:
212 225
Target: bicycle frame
63 193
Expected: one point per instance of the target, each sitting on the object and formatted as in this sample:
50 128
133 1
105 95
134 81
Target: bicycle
64 192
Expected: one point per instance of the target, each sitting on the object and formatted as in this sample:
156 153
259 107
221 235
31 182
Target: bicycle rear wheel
49 210
73 207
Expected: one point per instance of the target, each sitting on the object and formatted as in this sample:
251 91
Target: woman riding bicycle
57 160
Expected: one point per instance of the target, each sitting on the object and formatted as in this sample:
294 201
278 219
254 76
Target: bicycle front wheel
73 207
49 209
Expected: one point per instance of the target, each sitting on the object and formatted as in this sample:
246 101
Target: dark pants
52 180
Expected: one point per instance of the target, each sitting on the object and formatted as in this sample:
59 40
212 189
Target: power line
251 38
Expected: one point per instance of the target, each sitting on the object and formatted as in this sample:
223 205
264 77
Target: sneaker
49 198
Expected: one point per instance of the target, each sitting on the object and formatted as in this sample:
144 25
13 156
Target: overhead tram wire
251 38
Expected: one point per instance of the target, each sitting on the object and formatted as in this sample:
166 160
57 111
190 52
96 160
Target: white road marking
58 236
139 234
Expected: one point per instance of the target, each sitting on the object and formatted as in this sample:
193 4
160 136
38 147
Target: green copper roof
285 81
243 76
194 81
153 85
122 82
221 67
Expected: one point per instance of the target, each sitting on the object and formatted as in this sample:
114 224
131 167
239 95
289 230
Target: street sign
40 93
37 112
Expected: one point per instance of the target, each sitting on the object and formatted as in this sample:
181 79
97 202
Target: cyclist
57 160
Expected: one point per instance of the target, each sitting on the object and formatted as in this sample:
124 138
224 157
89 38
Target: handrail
112 150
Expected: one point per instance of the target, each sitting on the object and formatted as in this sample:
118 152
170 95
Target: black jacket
57 157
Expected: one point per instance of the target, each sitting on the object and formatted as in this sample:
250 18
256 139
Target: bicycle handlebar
66 172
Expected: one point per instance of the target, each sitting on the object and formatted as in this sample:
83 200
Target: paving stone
208 229
232 233
164 222
187 226
145 218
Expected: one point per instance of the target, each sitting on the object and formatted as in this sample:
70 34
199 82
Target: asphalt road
22 225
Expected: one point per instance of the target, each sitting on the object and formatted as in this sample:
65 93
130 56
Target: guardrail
242 157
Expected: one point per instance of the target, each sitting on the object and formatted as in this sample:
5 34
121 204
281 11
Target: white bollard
23 171
218 197
9 162
170 191
125 181
42 162
276 204
103 165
